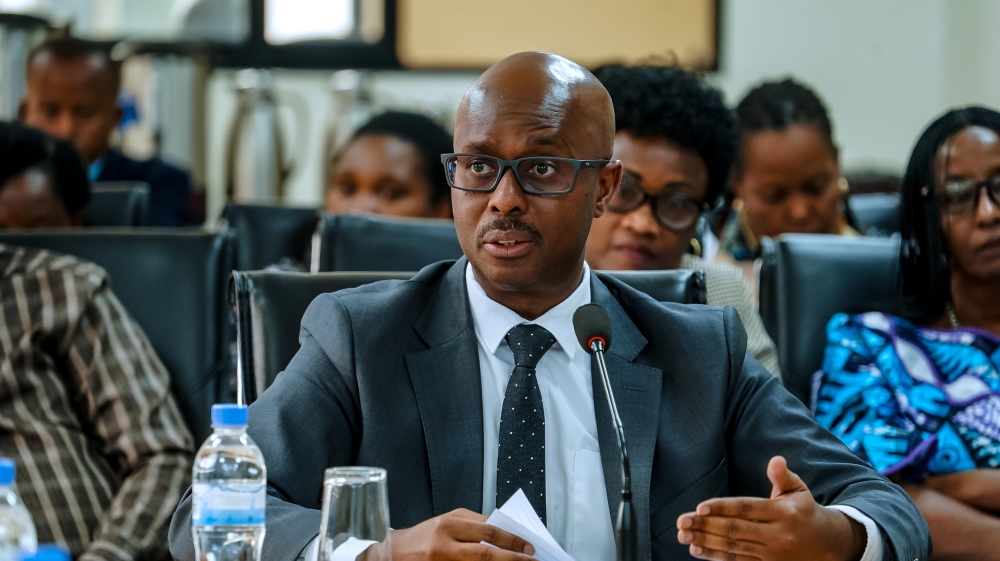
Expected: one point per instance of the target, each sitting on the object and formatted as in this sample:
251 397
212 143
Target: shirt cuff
348 551
873 551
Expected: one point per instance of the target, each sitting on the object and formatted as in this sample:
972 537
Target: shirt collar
493 320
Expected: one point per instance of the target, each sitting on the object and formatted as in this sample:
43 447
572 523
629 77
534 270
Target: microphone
593 330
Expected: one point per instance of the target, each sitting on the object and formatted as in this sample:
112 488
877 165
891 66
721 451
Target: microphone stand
626 533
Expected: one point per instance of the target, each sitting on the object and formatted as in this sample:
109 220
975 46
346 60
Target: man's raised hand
790 525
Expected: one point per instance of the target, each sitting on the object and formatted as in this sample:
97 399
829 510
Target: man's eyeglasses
674 211
960 196
536 175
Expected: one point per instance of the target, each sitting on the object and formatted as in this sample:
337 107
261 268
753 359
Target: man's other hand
790 525
454 536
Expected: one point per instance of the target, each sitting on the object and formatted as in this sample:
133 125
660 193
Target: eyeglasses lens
473 172
628 197
542 175
960 196
677 212
537 175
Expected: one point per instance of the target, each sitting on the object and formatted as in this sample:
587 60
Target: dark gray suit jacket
388 375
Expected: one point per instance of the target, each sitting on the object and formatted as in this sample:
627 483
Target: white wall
884 68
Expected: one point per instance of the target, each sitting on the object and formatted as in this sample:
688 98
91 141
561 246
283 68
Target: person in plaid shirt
85 407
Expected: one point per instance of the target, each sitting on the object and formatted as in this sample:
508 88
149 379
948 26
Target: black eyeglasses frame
987 185
512 164
653 200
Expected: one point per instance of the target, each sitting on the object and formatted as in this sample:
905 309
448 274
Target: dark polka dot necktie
521 458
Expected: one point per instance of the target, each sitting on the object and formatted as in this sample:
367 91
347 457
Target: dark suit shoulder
119 167
383 312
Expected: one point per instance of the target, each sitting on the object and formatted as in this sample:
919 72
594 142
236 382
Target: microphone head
590 322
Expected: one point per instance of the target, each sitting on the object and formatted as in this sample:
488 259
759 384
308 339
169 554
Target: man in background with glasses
677 140
467 383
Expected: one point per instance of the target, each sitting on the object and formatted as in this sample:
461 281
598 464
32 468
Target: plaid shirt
725 286
85 411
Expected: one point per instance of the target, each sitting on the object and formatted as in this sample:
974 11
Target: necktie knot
529 342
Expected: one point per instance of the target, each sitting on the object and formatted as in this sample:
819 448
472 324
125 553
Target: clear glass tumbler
355 514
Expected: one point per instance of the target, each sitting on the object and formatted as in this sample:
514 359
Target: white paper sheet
519 518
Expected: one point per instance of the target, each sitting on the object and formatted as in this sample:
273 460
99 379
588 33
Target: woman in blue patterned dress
918 394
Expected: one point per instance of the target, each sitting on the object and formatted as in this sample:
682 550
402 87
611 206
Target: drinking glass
355 514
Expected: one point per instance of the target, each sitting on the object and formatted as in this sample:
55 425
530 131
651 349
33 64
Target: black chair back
172 282
270 304
267 234
371 243
805 279
118 203
876 213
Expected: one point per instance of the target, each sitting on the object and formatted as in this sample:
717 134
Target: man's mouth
507 243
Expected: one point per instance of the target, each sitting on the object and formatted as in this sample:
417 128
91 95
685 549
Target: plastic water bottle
17 531
49 552
228 491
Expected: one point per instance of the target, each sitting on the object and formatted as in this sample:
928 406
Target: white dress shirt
576 500
576 503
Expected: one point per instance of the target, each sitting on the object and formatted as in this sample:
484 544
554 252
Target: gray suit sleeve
765 420
307 421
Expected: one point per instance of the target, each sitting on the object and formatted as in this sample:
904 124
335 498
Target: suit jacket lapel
447 384
637 390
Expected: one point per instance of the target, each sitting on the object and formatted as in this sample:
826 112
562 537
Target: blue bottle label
230 504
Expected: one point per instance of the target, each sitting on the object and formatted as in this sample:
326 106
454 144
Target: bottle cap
48 552
229 415
7 471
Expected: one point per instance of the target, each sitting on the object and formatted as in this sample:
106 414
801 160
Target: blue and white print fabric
914 400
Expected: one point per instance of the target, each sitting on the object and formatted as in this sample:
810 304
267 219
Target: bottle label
229 504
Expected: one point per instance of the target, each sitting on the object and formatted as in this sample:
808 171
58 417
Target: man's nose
508 197
63 126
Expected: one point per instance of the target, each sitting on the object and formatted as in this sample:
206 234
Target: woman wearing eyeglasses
918 395
676 140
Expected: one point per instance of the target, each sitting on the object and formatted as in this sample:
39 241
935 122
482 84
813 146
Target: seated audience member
43 182
918 396
101 450
787 176
677 141
392 166
72 94
467 382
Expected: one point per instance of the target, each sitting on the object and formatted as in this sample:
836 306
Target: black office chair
877 214
172 282
270 304
118 203
805 279
372 243
267 234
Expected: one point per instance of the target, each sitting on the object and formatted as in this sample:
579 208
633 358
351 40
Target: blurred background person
677 141
918 396
43 182
787 176
72 94
85 408
392 166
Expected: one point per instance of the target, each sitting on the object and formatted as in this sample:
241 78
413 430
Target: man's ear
611 178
